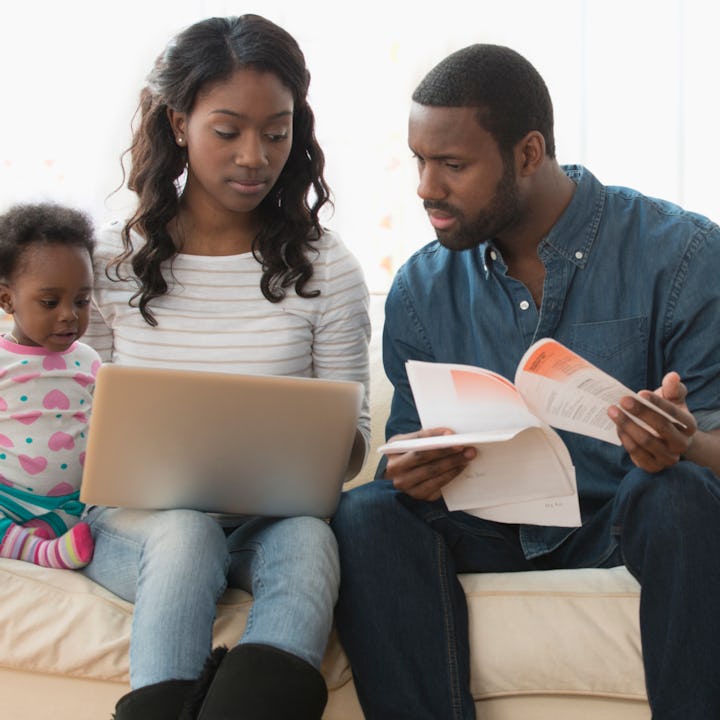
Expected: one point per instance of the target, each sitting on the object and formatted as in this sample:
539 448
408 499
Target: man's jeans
402 616
175 564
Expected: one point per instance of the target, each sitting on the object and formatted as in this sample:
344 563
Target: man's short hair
509 93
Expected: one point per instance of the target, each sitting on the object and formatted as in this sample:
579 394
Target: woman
224 266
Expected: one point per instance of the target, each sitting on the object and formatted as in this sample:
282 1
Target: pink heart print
27 418
60 489
5 441
61 441
25 378
55 361
32 466
56 399
84 380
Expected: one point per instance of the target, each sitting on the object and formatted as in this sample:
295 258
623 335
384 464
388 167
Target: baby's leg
40 528
70 551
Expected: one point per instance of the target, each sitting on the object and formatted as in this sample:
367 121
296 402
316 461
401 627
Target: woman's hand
423 473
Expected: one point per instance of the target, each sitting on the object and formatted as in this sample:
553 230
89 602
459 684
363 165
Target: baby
46 383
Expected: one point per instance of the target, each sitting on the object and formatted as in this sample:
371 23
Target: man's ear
530 153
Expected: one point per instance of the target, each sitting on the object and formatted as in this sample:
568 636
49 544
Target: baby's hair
30 224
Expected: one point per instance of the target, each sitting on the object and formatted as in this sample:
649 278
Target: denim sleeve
692 326
404 338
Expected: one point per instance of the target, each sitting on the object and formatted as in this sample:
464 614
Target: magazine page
479 405
570 393
529 480
466 398
561 511
523 470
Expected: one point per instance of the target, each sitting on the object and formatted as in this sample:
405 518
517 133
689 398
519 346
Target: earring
180 140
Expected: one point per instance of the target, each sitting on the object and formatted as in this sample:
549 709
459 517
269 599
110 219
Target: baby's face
49 296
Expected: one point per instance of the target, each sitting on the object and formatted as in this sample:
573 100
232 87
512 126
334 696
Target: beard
502 211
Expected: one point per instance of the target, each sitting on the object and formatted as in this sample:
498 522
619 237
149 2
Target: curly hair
207 52
24 225
509 93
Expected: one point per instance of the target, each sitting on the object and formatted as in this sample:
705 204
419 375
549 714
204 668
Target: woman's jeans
174 565
402 615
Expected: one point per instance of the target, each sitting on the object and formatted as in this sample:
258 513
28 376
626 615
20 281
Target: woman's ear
178 123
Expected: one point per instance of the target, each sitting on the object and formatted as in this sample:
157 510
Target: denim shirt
632 284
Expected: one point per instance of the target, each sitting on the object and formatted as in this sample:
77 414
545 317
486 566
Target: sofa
553 645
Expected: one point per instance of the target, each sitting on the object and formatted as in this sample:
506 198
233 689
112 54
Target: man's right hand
422 474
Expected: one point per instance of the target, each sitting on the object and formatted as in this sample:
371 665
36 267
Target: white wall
633 82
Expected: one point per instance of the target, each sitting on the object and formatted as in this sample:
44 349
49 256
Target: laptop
219 442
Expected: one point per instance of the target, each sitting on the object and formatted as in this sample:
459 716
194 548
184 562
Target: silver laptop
219 442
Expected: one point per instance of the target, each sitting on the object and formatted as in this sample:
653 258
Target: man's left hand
669 442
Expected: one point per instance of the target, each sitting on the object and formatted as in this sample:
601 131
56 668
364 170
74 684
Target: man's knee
362 508
677 500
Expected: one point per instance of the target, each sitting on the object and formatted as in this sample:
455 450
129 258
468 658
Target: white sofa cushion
557 631
560 631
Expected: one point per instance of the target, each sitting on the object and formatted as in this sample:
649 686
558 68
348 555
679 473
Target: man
527 249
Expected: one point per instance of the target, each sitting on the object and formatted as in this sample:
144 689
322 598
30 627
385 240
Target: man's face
468 189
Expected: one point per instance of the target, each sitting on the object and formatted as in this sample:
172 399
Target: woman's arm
342 333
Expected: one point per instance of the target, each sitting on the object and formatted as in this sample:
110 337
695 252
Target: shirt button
579 255
493 255
524 305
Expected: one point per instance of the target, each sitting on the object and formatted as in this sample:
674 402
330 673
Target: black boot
260 682
161 701
196 696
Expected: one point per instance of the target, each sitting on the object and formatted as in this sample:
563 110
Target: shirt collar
574 233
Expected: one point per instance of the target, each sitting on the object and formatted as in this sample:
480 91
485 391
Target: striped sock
40 528
70 551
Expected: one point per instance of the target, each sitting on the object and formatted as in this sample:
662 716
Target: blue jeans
174 565
402 617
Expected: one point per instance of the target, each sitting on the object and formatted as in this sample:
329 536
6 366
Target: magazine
523 472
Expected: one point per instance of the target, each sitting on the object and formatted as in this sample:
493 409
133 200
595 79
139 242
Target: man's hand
654 452
422 474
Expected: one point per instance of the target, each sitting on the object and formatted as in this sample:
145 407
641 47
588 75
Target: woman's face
238 138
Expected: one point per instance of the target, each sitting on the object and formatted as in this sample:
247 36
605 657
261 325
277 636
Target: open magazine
523 472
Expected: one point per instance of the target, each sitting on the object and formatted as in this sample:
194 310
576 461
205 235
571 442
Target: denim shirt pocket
619 347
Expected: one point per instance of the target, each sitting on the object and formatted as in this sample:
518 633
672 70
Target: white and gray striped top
214 317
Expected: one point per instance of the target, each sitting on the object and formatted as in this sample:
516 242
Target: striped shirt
215 318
